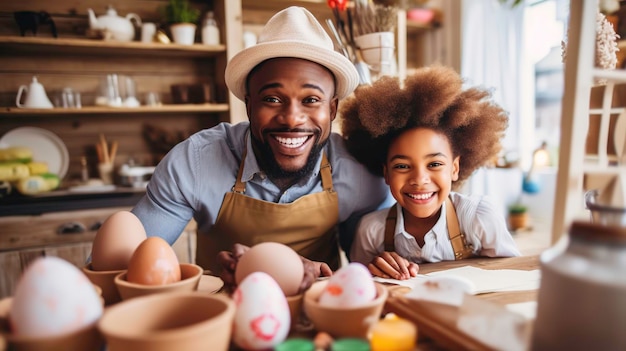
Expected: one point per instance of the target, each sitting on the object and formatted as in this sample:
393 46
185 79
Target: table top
437 322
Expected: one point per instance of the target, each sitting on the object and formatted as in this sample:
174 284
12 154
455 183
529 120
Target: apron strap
390 228
462 249
326 173
239 186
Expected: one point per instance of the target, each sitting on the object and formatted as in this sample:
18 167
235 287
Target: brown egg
115 242
278 260
154 262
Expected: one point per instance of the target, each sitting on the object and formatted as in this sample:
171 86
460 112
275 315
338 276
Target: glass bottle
210 31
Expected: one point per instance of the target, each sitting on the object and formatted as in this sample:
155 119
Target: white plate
46 147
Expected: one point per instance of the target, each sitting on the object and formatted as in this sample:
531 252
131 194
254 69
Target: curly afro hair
432 97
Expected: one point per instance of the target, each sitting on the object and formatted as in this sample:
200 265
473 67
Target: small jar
581 303
210 31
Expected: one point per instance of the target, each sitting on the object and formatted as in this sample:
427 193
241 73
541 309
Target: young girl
426 139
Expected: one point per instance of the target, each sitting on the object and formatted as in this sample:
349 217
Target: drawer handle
71 228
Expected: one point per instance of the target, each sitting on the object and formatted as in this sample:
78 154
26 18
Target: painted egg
262 319
115 241
349 286
278 260
154 262
53 297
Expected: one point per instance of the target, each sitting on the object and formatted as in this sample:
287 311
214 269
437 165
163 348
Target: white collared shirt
482 224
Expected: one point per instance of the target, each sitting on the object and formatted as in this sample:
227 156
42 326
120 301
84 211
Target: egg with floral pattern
262 319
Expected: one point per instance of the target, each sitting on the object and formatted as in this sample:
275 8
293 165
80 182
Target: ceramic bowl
106 281
85 339
343 322
295 308
169 321
189 278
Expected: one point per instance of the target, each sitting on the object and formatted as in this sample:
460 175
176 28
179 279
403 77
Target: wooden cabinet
67 235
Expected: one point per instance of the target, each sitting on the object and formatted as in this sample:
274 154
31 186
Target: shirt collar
438 229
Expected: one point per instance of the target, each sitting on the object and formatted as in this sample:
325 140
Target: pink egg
53 297
349 286
262 319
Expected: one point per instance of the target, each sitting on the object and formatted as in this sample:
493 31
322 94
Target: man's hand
228 260
312 271
391 265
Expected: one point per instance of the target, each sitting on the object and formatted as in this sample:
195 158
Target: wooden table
437 322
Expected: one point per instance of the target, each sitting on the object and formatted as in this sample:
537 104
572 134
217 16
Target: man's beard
270 166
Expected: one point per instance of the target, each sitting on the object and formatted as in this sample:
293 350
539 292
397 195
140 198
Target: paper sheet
487 280
484 280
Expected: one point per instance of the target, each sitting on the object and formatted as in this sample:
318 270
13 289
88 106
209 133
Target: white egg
262 319
349 286
53 297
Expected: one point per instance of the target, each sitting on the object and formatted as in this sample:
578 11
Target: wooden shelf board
94 46
183 108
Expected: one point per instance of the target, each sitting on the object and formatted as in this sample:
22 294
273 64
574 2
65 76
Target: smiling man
283 176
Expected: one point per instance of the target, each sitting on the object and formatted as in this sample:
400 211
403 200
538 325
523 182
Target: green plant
180 11
517 208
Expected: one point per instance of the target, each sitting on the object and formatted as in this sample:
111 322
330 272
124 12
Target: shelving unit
580 73
99 110
30 225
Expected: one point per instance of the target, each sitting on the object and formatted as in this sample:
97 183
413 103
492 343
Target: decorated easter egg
350 286
53 297
262 318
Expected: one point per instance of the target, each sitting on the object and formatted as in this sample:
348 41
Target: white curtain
492 57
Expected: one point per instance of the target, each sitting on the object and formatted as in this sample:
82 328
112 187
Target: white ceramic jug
35 96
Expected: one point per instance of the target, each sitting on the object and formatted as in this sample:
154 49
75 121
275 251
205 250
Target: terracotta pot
106 281
346 322
518 220
189 279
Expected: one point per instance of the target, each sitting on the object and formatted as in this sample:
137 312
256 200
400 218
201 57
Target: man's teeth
292 142
421 196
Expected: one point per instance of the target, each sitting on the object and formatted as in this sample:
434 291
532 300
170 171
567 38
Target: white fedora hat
292 32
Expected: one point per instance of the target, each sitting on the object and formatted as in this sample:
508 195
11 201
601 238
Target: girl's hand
391 265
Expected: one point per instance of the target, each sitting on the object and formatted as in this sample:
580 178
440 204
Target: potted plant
182 20
518 216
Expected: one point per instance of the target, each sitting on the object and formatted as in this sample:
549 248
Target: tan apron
308 225
462 249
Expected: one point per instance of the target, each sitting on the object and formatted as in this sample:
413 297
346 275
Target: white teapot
120 28
35 96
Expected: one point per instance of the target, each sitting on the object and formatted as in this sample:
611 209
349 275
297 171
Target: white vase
183 33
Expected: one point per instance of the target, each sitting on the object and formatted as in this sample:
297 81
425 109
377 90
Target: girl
426 139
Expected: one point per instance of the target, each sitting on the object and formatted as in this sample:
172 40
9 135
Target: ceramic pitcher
35 96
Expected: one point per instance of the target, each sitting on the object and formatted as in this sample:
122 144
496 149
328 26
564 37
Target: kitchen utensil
35 96
46 147
604 213
120 28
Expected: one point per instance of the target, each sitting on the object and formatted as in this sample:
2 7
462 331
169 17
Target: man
282 176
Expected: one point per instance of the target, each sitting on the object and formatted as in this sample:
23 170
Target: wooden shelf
90 110
94 46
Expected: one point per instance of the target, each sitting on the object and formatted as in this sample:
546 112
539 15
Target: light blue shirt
192 179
